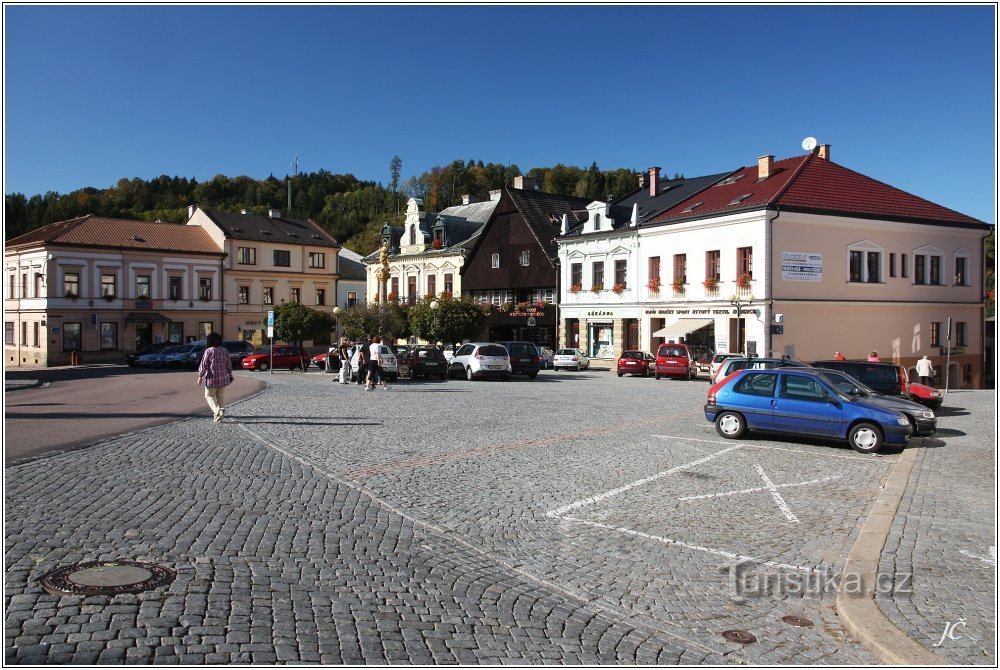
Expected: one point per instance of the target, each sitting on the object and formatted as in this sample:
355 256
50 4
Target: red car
636 363
674 360
284 357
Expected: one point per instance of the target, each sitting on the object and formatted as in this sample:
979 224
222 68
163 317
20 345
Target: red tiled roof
97 231
811 183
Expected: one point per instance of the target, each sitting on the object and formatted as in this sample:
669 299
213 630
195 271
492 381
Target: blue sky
904 94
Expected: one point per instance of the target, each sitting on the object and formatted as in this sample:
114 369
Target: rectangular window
321 296
904 269
282 258
960 271
960 334
8 332
449 285
873 267
295 295
38 284
411 290
175 332
576 274
175 288
919 269
11 283
317 259
142 286
597 275
935 333
246 256
109 336
855 267
205 288
432 285
268 295
243 295
108 284
935 271
24 333
744 261
394 290
680 268
71 284
712 264
204 328
525 258
24 285
495 261
72 336
654 268
621 270
352 298
34 333
892 265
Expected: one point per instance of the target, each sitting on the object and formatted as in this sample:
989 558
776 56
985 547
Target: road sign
270 317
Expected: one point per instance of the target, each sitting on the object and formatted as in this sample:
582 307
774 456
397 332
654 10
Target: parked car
156 359
238 350
674 360
282 356
319 360
716 363
449 352
480 360
887 378
130 357
524 358
924 422
425 362
731 365
702 356
636 363
547 354
176 359
811 402
570 359
390 366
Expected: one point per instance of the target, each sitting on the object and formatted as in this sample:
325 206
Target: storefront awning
683 327
144 317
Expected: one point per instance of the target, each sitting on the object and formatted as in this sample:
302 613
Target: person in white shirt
925 371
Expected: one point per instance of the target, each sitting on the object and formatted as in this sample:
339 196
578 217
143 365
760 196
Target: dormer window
738 199
413 235
691 208
597 221
525 258
495 261
731 180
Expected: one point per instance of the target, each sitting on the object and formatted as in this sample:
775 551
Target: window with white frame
143 284
525 258
495 261
961 268
864 263
928 264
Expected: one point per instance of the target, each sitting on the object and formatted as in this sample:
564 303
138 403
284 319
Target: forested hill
351 210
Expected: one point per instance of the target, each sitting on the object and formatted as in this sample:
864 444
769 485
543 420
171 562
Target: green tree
390 321
294 323
455 320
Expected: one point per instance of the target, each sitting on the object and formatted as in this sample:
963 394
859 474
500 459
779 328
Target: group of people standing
370 371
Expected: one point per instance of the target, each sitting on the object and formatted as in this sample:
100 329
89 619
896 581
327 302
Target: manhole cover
738 635
797 621
106 578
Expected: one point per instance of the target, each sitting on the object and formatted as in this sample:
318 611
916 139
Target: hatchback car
390 365
717 361
547 354
238 350
283 356
524 358
570 359
674 360
886 378
130 357
319 360
811 402
424 362
156 359
731 365
480 360
636 363
177 359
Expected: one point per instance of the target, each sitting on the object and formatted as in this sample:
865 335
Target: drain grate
797 621
739 635
98 578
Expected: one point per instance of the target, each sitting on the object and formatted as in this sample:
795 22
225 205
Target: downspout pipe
769 278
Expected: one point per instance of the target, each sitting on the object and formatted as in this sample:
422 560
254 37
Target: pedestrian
344 354
873 357
216 371
837 356
925 370
375 364
363 352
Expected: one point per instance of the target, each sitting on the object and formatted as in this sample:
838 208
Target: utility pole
295 165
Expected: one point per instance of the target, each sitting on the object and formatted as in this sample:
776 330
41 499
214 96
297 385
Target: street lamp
435 305
336 312
740 303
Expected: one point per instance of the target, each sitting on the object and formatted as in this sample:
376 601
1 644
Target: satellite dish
809 143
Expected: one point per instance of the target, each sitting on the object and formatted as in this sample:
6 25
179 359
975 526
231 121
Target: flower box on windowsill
109 297
70 295
743 281
597 288
678 287
618 288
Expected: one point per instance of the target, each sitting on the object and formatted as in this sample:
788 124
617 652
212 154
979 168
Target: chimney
823 151
495 194
635 215
765 165
274 213
524 183
564 229
190 211
468 199
654 182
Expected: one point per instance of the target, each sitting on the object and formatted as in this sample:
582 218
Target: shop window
175 332
72 336
602 340
109 336
204 328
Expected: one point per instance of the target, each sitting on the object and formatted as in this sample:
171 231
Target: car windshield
847 386
632 354
492 350
566 352
672 351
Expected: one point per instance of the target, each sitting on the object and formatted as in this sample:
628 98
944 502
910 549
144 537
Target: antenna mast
294 164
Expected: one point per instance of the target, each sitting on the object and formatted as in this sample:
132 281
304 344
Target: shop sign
700 312
801 266
598 312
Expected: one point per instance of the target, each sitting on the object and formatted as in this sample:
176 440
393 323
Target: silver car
570 359
480 360
390 366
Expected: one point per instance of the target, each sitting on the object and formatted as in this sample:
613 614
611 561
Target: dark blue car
816 403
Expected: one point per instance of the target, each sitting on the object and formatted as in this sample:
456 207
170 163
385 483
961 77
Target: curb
857 608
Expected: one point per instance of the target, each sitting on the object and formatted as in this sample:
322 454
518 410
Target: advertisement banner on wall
801 266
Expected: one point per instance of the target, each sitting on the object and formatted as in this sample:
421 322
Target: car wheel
468 373
532 375
656 376
730 424
865 437
263 366
620 374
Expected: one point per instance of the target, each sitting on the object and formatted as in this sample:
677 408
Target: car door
804 405
458 361
753 396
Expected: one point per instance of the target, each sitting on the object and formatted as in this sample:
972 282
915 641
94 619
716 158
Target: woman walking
216 370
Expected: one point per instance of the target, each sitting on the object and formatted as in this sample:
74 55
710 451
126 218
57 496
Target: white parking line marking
779 501
989 560
863 459
632 485
759 489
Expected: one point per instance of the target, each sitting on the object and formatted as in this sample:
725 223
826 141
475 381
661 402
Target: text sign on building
801 266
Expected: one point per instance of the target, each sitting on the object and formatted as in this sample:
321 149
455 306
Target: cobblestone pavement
941 551
443 522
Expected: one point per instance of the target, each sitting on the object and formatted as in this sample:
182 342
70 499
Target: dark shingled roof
260 228
672 191
351 265
99 231
543 214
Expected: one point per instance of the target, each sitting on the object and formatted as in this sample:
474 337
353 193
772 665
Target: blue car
816 403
